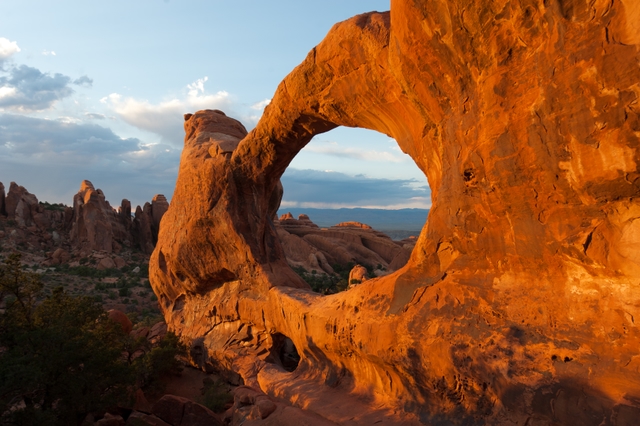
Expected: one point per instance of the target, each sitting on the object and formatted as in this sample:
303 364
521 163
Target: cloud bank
326 189
57 155
28 89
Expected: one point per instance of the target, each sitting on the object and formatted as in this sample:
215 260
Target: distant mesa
353 225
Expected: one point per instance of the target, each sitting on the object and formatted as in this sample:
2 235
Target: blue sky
96 90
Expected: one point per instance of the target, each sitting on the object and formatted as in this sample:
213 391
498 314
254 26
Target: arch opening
342 188
284 352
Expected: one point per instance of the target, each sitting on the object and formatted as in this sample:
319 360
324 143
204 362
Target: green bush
61 358
215 395
55 207
160 361
321 283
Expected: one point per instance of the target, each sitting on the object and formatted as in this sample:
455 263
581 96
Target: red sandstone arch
524 117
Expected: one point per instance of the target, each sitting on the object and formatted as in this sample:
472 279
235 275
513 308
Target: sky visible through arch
96 90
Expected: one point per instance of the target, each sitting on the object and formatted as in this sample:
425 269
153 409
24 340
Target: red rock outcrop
306 245
23 207
357 275
92 225
159 206
3 210
519 304
96 226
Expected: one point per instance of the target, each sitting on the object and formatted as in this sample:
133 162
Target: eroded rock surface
521 300
312 248
90 226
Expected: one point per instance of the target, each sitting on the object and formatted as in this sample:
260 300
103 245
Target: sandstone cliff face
92 225
96 226
23 207
520 302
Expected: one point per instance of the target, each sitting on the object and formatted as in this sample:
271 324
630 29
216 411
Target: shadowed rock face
521 300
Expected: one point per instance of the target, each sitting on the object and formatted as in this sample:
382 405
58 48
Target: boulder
142 404
157 332
170 408
106 263
60 256
137 418
110 420
199 415
120 318
119 262
357 275
179 411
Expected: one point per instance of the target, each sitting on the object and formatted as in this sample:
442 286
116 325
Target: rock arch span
522 292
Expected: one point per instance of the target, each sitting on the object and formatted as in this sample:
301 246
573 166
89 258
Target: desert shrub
326 284
54 207
160 361
61 358
215 395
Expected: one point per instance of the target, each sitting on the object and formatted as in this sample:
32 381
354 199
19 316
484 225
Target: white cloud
28 89
7 48
259 106
47 53
333 149
197 86
7 92
165 118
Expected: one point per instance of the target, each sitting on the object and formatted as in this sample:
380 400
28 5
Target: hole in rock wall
349 168
355 176
284 353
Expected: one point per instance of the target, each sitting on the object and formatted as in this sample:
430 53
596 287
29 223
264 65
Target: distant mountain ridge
407 221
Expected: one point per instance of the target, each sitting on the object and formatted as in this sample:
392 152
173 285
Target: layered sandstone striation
521 300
